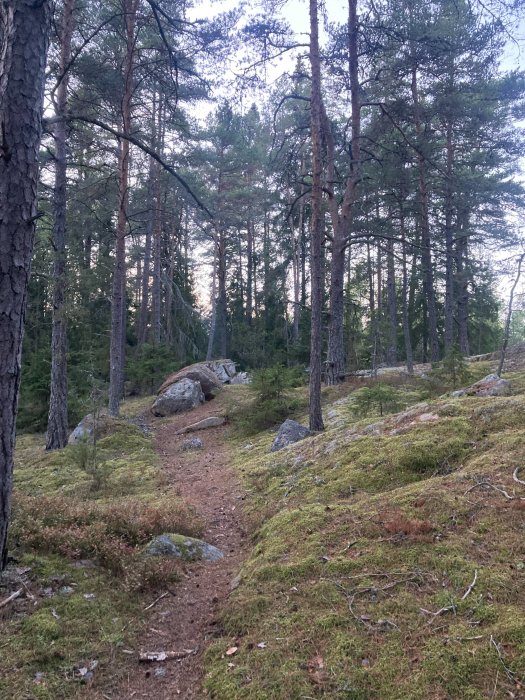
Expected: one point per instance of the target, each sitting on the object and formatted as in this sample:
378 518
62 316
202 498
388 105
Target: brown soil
187 618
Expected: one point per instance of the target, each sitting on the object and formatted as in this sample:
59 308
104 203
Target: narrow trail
187 617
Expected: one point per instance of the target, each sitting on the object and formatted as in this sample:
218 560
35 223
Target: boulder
223 369
210 422
181 547
192 444
290 431
241 378
83 432
199 372
491 385
182 396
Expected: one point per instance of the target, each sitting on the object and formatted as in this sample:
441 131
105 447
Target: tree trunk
391 353
57 424
449 245
316 232
342 223
406 296
118 299
508 320
462 283
249 272
146 271
213 323
24 28
426 254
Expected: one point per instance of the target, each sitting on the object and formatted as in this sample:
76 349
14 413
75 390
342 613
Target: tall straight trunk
221 319
506 331
118 301
406 295
156 292
462 282
24 30
342 221
449 244
391 353
213 323
372 305
316 232
146 270
57 424
249 271
426 254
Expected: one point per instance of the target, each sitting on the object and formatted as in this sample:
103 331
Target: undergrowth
387 560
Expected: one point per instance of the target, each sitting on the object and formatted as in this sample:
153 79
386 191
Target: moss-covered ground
80 519
388 558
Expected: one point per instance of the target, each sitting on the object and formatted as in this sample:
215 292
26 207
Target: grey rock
223 369
491 385
182 396
241 378
83 432
210 422
290 431
192 444
181 547
199 372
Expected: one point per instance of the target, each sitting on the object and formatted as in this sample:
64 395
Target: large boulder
491 385
199 372
241 378
184 395
181 547
290 431
224 370
83 432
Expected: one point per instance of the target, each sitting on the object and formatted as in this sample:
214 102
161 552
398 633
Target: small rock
491 385
187 548
290 431
160 671
210 422
193 444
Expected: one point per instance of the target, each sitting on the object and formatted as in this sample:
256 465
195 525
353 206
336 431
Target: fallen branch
496 488
452 607
515 477
513 678
153 656
148 607
12 597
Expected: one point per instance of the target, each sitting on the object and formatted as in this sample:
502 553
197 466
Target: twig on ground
148 607
515 476
12 597
452 607
153 656
513 678
496 488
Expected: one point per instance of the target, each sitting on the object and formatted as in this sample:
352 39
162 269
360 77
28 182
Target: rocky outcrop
223 369
290 431
181 547
198 373
491 385
182 396
83 432
210 422
241 378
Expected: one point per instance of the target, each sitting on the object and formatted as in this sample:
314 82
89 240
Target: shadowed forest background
418 169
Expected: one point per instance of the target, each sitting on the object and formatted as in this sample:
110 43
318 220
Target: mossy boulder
186 548
290 431
185 395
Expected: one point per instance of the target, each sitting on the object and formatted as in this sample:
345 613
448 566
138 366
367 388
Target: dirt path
187 619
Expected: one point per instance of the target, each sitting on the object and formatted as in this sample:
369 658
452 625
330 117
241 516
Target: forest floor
380 560
187 618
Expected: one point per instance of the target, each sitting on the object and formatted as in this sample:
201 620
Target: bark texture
57 424
23 47
316 233
118 298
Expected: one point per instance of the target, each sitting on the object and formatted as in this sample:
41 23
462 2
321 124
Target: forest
319 191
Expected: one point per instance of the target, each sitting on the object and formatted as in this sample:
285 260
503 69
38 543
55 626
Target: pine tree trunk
249 273
426 254
146 270
316 232
462 283
211 337
391 354
24 27
406 296
57 424
342 224
449 245
118 298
